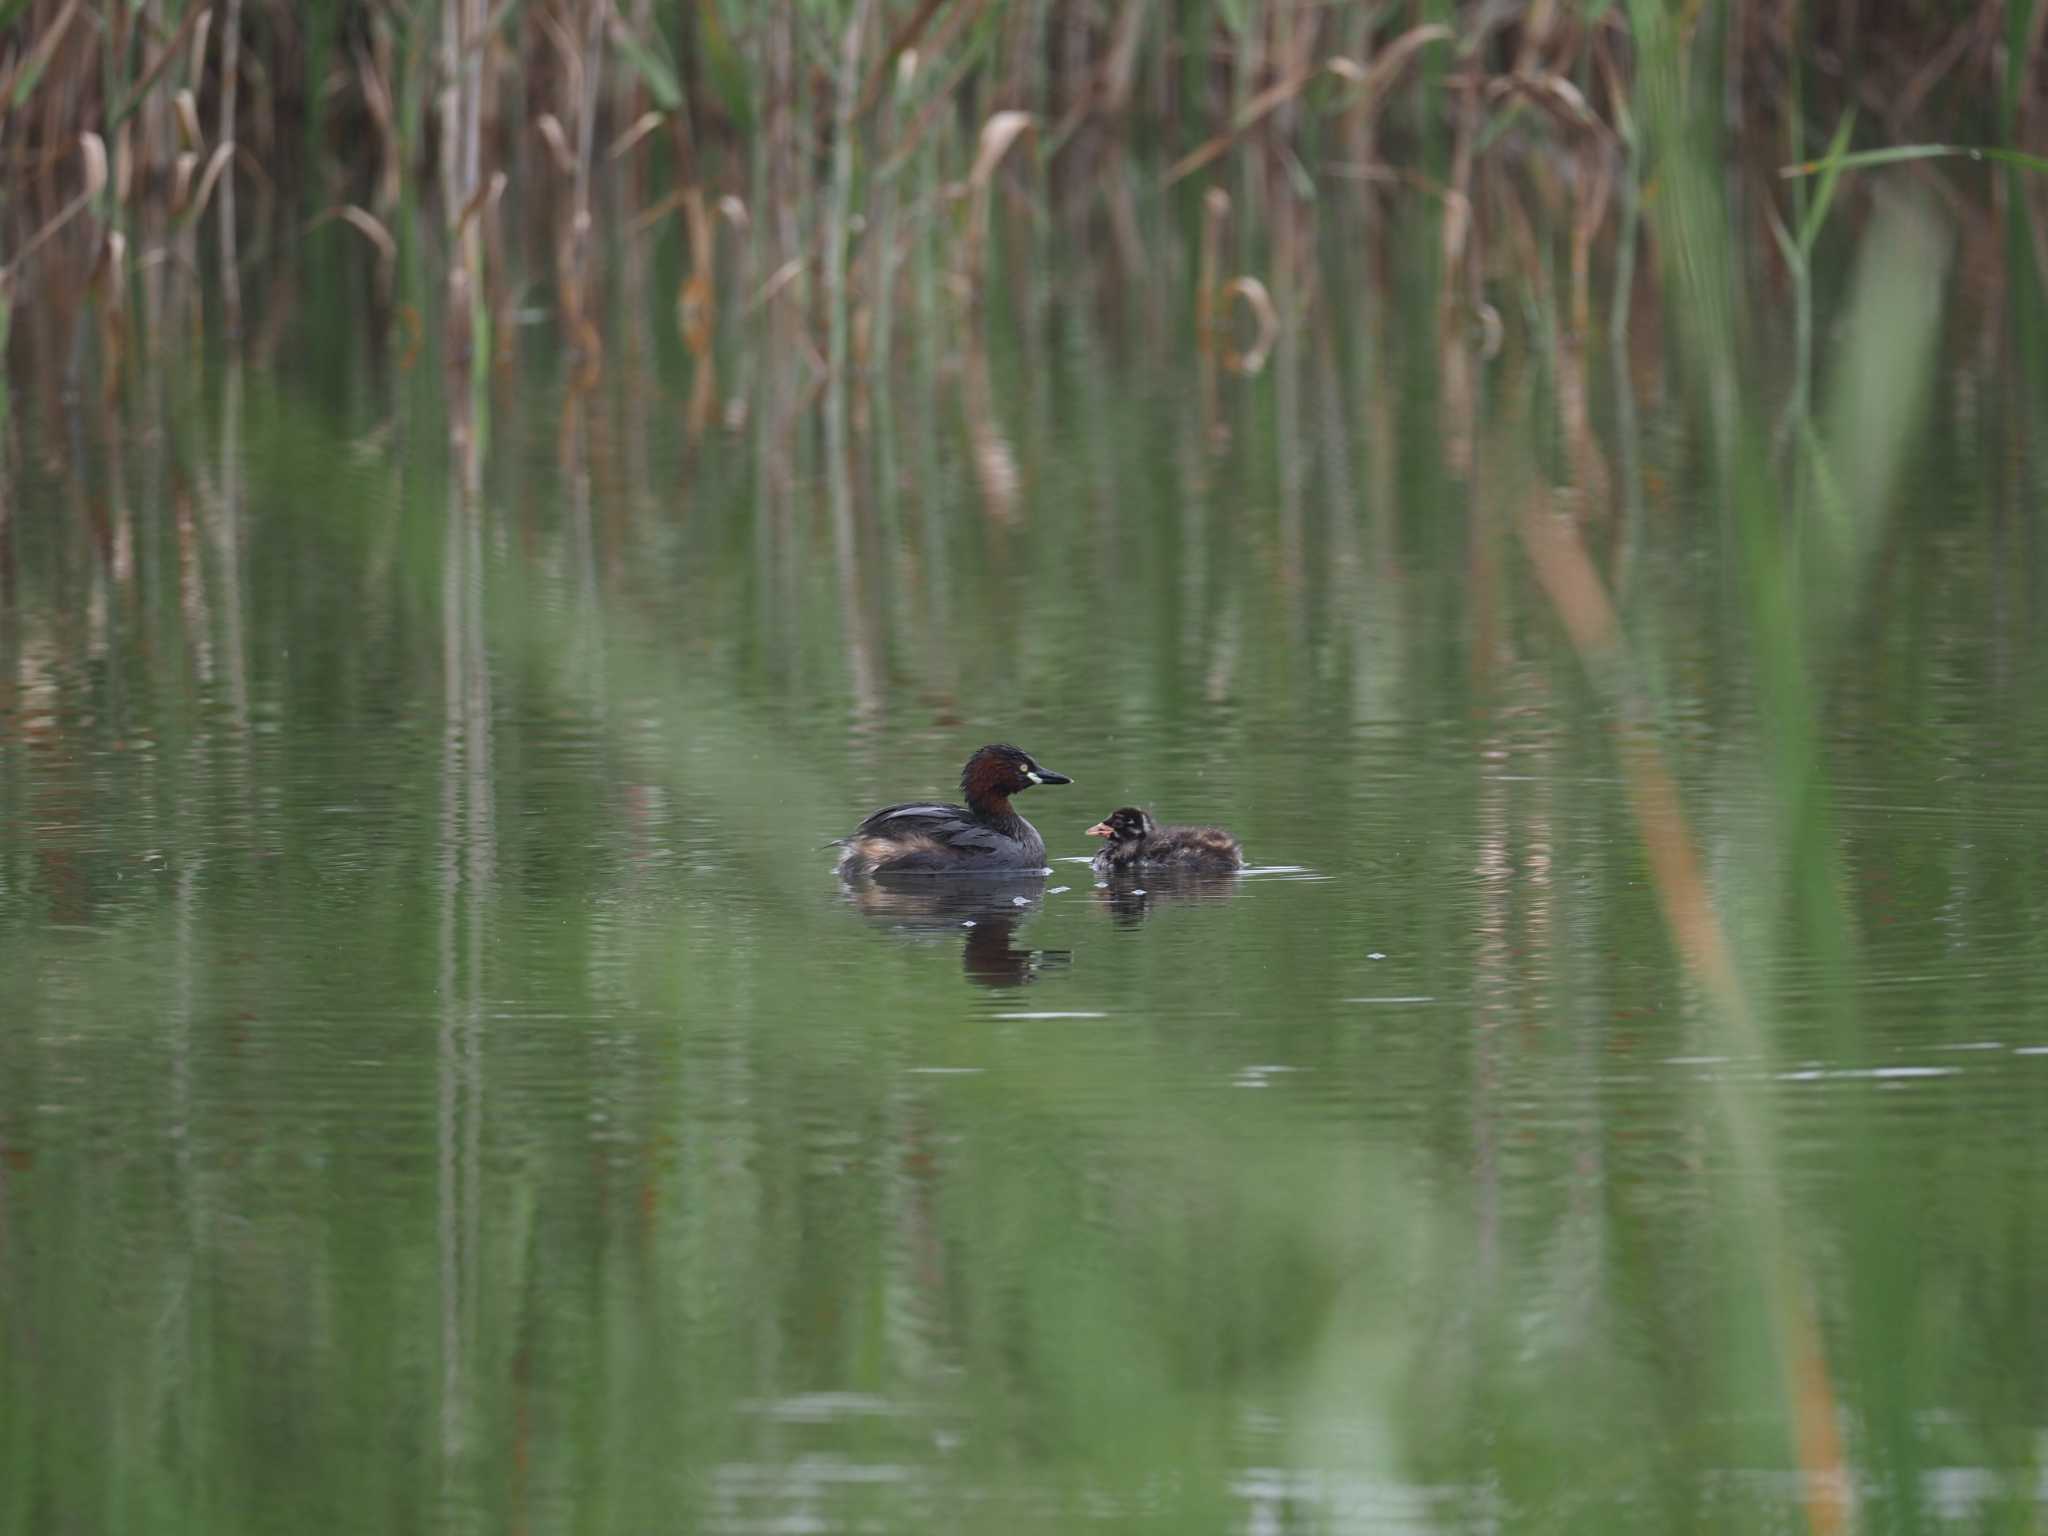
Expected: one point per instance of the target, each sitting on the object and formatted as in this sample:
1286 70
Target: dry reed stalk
1100 89
1208 290
998 135
462 190
576 266
373 69
93 152
901 41
1591 479
1126 238
29 71
372 229
838 455
1566 573
772 154
109 286
1591 190
1459 257
454 193
142 95
697 309
230 264
1372 83
995 464
1248 117
1290 239
942 96
155 148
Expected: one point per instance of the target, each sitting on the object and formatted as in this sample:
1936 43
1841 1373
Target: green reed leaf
1864 159
655 68
1830 175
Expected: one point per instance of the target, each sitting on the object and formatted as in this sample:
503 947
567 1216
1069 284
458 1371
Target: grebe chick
1136 841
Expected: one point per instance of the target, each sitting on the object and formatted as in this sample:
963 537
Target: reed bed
816 159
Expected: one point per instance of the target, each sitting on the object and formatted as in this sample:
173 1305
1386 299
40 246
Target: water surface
444 1085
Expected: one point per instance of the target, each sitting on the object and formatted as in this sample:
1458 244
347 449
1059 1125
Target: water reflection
558 1078
985 912
1130 898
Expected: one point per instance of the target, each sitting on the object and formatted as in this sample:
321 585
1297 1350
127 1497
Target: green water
443 1085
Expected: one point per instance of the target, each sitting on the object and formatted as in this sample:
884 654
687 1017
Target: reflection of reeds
1795 603
1576 591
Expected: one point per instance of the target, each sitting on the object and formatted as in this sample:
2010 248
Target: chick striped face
1126 824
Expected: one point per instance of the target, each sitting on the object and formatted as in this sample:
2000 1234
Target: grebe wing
954 825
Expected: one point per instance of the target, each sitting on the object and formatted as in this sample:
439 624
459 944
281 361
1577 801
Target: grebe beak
1102 829
1046 776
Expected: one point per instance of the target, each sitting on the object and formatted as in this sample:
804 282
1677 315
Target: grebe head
1126 824
999 771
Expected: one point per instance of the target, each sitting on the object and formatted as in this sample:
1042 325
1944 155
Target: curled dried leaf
650 217
366 224
182 170
1557 96
647 123
1491 332
110 269
1252 361
94 150
486 195
216 165
1388 63
778 280
557 141
186 106
997 135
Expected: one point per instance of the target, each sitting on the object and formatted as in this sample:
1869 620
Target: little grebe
1136 841
980 837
